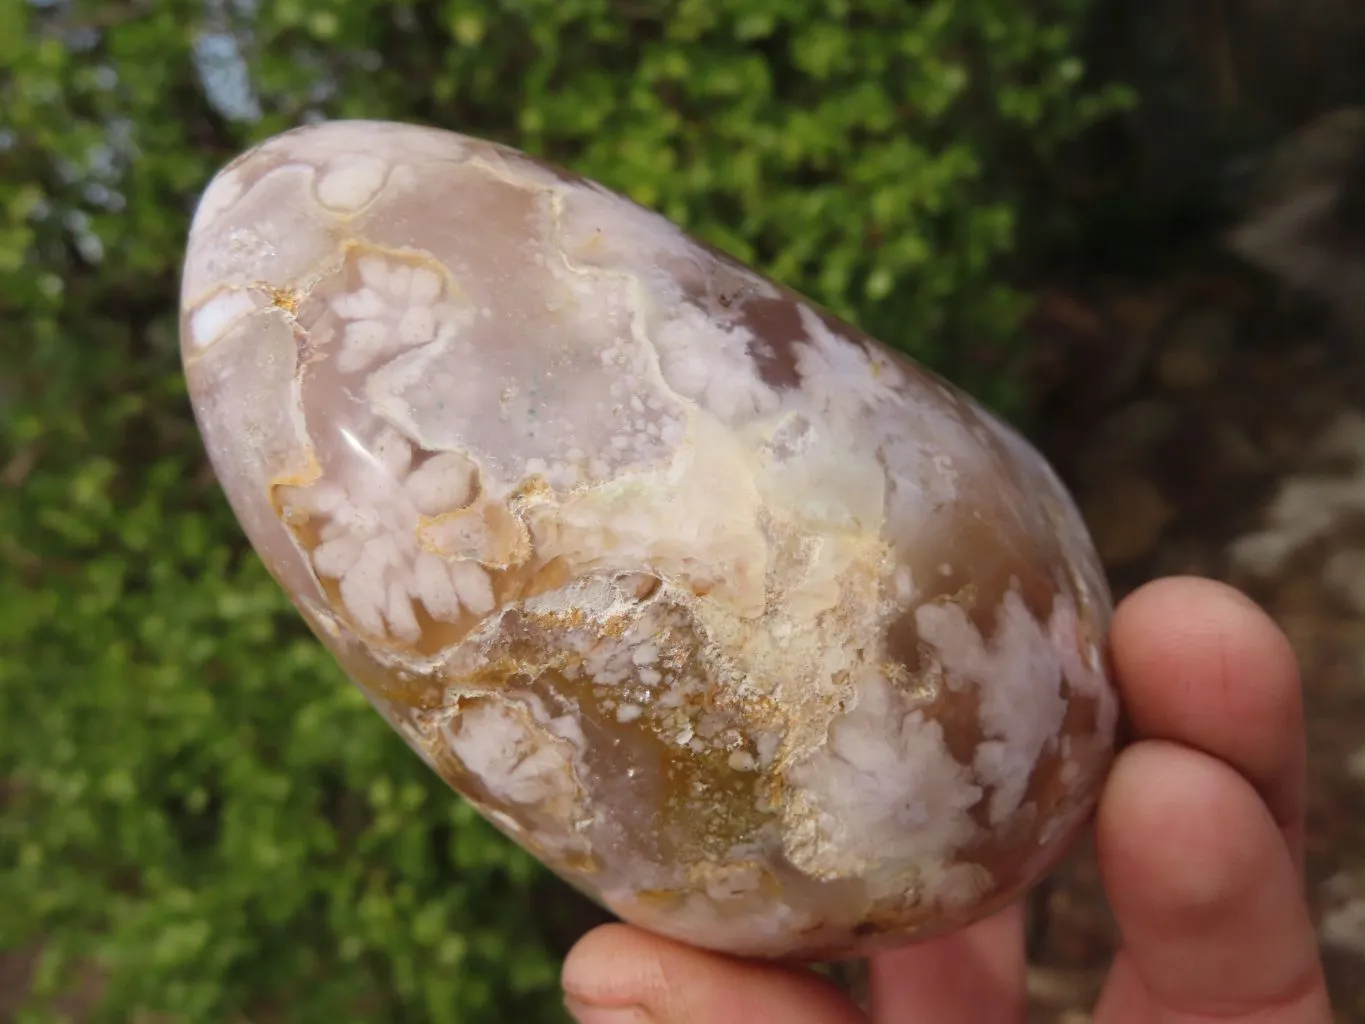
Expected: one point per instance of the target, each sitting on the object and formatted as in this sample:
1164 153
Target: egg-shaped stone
747 626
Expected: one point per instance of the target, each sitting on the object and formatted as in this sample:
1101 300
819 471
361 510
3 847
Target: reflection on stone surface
745 625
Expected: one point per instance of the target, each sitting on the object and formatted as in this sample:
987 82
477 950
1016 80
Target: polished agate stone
763 636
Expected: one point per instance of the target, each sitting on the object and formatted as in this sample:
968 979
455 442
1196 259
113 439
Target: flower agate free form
760 634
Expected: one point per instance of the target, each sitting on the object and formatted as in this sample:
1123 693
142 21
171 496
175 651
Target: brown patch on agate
776 326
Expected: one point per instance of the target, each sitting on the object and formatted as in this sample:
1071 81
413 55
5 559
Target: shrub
193 800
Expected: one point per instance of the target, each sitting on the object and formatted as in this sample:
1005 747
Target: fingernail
587 1013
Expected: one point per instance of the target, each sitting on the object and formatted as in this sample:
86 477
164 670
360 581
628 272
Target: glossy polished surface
744 624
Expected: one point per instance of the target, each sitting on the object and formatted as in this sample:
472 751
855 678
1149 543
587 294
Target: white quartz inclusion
745 624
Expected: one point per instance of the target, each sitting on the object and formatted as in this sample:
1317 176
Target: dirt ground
1210 427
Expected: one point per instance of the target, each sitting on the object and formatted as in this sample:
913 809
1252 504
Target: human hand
1199 833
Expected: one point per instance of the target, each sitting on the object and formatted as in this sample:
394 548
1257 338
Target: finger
974 976
1199 664
621 975
1205 893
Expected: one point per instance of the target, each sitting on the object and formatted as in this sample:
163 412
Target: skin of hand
1199 834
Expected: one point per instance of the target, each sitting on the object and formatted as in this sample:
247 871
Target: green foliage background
193 799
